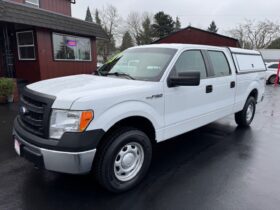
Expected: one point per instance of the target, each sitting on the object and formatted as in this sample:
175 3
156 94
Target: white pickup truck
107 124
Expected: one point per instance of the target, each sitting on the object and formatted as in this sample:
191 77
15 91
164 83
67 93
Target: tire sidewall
250 101
112 152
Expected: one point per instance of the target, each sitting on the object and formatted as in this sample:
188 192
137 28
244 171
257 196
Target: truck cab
107 124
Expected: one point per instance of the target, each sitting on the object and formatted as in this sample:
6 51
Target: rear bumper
58 161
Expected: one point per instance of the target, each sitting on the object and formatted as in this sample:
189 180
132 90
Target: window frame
33 4
212 66
29 45
70 60
205 60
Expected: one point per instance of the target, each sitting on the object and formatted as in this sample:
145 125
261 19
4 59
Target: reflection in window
191 61
67 47
220 63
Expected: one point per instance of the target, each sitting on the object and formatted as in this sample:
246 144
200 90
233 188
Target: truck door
223 83
187 107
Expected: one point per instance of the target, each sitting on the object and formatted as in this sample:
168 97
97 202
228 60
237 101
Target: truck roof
182 46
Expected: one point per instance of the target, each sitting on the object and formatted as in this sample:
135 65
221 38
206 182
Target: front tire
245 117
123 159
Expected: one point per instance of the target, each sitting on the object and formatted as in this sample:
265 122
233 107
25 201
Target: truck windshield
146 64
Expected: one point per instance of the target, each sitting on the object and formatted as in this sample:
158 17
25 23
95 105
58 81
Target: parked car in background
271 72
107 124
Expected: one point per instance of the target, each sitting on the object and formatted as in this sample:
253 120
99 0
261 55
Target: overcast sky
226 13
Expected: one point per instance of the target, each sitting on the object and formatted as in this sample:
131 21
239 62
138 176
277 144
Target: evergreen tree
88 16
146 34
213 28
177 24
163 25
97 18
127 41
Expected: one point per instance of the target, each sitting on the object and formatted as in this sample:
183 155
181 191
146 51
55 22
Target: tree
127 41
275 44
88 16
97 18
146 35
213 28
256 35
163 25
134 26
177 24
110 21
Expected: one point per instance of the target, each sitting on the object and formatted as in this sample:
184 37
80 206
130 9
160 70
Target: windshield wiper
119 75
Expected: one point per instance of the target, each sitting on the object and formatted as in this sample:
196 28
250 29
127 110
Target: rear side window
190 61
220 63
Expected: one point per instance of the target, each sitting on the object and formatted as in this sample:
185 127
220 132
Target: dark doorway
7 68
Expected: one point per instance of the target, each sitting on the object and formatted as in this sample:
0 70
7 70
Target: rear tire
245 117
272 79
123 159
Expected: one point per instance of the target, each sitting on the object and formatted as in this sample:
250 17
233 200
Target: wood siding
194 36
59 6
51 69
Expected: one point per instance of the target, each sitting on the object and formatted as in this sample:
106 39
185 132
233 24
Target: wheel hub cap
129 161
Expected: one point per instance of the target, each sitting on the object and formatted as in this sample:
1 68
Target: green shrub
6 86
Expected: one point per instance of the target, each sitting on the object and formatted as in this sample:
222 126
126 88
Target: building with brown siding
191 35
40 40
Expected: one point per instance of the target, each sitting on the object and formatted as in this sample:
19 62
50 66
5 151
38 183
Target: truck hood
71 88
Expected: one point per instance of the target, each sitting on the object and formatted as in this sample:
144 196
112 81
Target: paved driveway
216 167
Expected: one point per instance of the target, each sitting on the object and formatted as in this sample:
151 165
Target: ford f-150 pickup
107 124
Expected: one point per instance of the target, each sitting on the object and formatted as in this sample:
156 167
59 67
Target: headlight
68 121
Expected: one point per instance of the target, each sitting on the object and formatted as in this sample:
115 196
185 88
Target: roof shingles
22 14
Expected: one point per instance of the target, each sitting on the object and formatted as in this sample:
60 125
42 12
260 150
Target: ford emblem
23 110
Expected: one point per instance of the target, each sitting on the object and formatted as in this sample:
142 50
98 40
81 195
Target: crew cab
107 124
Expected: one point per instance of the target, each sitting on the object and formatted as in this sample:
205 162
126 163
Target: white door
224 84
190 107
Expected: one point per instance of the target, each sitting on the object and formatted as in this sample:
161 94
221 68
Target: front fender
127 109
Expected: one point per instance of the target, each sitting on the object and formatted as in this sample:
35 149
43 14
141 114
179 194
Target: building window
71 48
26 46
33 2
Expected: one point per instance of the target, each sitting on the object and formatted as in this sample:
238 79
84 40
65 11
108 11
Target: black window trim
204 58
212 67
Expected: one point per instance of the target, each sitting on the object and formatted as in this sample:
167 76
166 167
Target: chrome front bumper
64 162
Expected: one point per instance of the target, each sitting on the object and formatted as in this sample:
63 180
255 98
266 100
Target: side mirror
184 79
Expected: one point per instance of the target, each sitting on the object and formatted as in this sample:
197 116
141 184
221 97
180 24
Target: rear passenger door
223 83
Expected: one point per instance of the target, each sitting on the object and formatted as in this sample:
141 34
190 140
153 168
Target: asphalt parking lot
219 166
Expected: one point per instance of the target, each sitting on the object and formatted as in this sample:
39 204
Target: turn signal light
86 118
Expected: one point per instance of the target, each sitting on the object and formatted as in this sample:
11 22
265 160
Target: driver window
190 61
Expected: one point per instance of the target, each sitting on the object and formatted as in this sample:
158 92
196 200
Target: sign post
277 76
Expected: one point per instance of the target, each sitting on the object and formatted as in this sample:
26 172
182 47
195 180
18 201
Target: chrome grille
35 112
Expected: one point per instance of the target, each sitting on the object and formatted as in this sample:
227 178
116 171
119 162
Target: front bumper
73 153
58 161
